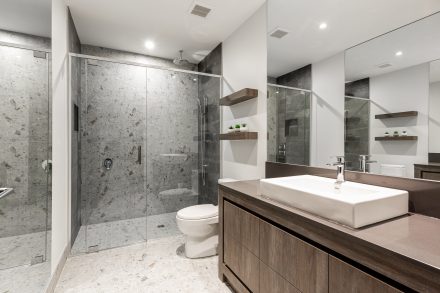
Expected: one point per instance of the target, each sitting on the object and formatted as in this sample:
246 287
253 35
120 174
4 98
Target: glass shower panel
357 131
113 154
288 125
174 114
24 156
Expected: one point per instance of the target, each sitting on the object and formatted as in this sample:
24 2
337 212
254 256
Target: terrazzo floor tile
19 250
125 232
25 279
155 266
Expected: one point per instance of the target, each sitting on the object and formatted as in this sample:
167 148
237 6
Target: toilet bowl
199 223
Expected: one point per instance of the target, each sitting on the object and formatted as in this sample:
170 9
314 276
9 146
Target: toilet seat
198 212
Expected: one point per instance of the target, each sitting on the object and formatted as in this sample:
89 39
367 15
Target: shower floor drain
160 226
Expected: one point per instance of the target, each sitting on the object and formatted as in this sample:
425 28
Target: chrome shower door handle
139 158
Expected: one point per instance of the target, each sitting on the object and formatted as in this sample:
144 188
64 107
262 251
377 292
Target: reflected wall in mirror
25 144
357 80
390 101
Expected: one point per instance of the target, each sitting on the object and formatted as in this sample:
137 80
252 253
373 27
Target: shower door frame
122 62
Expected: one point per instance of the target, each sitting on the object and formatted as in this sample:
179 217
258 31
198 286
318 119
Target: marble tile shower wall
113 125
357 131
125 107
172 152
24 137
209 93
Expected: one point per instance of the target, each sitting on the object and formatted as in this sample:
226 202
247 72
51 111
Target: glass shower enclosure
357 131
288 116
25 151
139 145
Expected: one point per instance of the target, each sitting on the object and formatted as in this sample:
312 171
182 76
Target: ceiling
350 22
419 43
128 24
26 16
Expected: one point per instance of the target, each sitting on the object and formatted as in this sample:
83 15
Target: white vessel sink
354 204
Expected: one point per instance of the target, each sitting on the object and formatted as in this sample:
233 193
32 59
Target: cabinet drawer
303 265
271 282
242 226
346 278
242 262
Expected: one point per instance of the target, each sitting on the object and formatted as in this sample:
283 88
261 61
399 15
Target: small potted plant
237 127
244 127
231 129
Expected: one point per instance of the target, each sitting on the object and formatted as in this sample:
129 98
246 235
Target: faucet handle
340 160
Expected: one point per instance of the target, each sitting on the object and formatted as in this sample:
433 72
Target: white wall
60 138
327 127
403 90
434 117
245 65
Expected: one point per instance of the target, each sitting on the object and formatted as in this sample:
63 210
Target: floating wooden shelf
395 138
238 97
397 115
239 136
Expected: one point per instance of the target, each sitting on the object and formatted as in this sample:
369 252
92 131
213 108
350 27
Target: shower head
179 60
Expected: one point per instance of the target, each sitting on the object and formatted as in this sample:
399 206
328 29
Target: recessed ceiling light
399 53
149 45
323 26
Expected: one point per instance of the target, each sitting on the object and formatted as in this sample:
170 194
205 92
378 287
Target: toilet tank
393 170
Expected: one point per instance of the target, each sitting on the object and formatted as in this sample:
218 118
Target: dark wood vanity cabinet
267 259
346 278
258 256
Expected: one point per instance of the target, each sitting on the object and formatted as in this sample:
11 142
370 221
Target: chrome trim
5 191
141 64
25 47
288 87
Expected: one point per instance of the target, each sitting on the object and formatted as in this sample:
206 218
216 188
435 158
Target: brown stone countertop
415 236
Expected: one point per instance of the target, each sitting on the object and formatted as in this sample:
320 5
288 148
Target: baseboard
56 275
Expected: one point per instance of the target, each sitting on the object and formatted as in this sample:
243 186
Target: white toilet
199 223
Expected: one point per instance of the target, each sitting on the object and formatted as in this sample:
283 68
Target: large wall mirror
369 91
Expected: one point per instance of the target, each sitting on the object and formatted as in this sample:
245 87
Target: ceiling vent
384 65
200 10
278 33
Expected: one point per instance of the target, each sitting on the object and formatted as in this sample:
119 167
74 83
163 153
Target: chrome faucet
363 162
340 171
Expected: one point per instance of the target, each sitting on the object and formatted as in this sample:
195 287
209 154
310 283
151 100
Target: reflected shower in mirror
25 145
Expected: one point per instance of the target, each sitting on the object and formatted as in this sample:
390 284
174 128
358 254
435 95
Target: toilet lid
197 212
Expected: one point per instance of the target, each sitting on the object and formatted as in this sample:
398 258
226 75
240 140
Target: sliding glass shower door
112 155
24 156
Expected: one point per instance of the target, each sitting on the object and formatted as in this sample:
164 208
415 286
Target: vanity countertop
414 238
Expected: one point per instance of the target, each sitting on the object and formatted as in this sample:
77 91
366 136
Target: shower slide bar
141 64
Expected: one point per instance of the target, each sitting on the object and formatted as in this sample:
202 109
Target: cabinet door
271 282
239 237
346 278
243 226
303 265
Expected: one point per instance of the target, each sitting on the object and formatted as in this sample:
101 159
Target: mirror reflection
390 102
369 95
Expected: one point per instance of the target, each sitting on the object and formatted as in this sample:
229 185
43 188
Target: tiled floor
25 279
19 250
125 232
155 266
